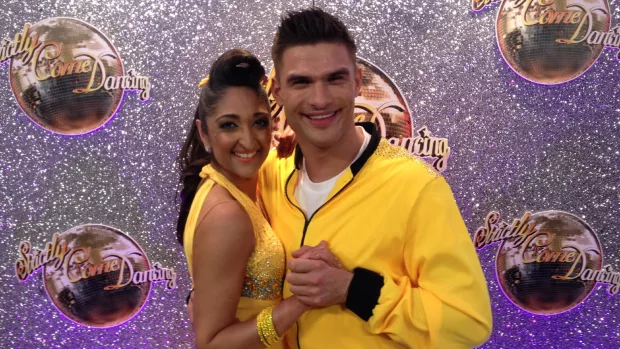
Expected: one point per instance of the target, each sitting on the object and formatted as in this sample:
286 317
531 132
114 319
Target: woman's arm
223 243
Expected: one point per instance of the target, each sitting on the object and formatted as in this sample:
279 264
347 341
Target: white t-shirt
310 195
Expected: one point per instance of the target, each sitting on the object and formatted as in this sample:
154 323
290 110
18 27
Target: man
410 276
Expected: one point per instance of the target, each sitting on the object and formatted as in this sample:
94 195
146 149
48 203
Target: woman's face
239 133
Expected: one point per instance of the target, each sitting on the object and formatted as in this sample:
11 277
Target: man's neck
324 164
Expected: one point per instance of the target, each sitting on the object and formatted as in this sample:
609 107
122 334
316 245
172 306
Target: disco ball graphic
45 87
531 286
93 286
380 101
532 50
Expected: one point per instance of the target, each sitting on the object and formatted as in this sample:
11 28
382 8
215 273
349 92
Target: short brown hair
307 27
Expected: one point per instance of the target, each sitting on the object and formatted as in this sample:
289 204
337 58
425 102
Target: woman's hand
287 140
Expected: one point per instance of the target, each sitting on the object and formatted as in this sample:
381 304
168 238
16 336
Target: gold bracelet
266 329
271 329
260 332
260 324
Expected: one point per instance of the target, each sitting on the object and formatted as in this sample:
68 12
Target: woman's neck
246 185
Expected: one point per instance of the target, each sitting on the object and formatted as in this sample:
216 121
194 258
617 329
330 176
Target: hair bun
236 67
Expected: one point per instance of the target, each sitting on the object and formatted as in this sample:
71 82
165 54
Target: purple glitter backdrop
516 146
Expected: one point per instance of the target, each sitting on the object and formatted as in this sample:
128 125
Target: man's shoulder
274 163
275 169
398 161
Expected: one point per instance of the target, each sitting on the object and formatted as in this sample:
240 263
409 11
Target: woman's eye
228 125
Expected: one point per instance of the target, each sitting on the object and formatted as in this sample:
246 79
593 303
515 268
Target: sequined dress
264 275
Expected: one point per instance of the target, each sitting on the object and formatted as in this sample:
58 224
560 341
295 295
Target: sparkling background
516 146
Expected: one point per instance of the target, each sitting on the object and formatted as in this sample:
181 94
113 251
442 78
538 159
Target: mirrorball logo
548 262
95 275
67 76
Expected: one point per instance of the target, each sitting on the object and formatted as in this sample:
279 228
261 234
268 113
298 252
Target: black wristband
188 296
364 292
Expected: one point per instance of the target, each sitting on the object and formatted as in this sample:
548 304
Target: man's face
317 85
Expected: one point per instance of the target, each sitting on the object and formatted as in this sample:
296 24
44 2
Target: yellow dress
264 275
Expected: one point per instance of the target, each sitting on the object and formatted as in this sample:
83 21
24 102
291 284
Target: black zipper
307 220
355 167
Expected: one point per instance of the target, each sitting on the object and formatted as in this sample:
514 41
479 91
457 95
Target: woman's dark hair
235 67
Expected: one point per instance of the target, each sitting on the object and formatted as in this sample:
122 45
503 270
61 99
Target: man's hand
317 278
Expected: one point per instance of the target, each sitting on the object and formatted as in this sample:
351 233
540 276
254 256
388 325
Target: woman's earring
208 149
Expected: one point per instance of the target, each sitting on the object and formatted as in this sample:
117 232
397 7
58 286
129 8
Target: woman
235 259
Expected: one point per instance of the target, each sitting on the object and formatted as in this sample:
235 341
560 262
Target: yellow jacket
393 221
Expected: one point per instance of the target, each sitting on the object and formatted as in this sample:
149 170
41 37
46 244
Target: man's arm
442 303
447 305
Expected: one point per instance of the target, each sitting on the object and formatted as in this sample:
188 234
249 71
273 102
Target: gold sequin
390 151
